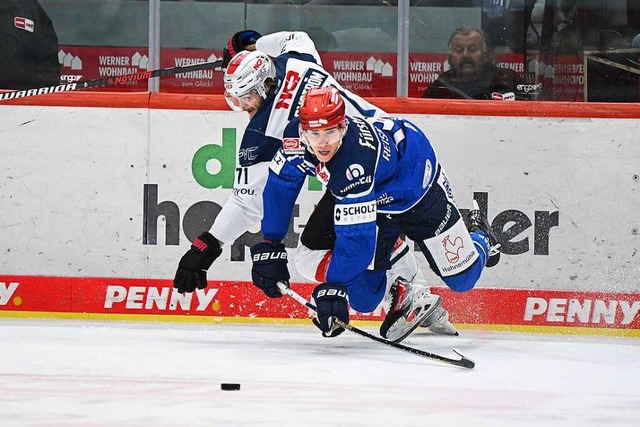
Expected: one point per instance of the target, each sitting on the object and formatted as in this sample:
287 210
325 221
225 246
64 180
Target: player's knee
467 279
363 300
366 293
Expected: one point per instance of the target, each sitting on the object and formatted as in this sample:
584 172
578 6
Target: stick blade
465 362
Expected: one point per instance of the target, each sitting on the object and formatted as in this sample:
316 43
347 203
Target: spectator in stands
28 46
472 74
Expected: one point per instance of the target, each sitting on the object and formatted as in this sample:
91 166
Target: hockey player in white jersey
271 91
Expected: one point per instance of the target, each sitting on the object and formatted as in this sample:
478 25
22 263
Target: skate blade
443 330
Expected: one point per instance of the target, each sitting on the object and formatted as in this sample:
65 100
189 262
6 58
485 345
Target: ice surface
72 373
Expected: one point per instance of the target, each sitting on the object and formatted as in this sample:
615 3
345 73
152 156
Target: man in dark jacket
472 75
28 46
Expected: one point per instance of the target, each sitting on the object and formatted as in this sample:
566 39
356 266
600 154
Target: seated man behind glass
472 74
28 46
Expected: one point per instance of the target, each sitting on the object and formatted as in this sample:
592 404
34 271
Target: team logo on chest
356 176
354 171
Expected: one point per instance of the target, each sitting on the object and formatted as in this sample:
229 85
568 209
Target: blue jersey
384 166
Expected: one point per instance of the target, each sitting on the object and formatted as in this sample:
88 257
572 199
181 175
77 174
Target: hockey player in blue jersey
387 181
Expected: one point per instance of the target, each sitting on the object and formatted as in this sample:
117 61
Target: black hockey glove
331 301
237 43
269 267
192 270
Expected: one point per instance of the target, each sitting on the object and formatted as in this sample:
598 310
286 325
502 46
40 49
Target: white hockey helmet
247 71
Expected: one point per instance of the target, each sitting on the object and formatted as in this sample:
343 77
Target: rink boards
102 193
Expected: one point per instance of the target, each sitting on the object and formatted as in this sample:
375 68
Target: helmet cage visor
236 103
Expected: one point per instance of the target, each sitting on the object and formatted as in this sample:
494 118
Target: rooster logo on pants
452 249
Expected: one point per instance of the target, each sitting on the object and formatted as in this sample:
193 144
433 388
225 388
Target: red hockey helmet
323 107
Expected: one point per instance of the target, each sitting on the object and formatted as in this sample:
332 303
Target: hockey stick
463 362
125 78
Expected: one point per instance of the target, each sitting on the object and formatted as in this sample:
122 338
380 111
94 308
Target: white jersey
298 68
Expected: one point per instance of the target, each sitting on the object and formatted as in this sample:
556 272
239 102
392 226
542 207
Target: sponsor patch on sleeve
356 213
278 162
292 146
24 24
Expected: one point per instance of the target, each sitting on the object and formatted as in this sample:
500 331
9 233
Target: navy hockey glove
192 269
269 267
331 301
237 43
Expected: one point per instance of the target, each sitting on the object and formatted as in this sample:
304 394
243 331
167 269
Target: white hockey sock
312 264
405 264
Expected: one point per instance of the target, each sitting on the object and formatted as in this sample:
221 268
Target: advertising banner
368 74
119 193
138 299
87 63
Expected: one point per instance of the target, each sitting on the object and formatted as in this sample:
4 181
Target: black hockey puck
230 386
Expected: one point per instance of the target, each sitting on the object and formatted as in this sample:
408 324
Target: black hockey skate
478 222
410 305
